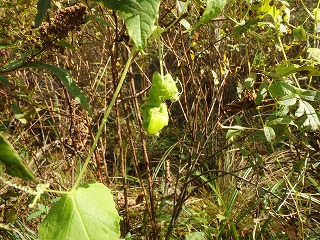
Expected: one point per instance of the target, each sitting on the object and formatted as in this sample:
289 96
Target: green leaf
67 81
285 69
269 133
280 89
288 100
12 65
308 95
128 6
311 119
66 44
310 70
87 213
196 236
314 53
141 25
285 120
42 7
250 80
10 158
4 80
299 33
221 217
213 8
316 15
244 27
4 45
262 92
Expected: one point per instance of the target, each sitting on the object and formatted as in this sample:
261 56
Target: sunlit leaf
288 100
10 158
250 80
299 33
213 8
282 110
67 81
87 213
316 15
280 89
285 69
42 7
308 95
314 53
310 70
311 119
244 27
262 92
141 25
269 133
196 236
285 120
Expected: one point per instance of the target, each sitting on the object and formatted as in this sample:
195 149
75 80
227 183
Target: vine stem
105 118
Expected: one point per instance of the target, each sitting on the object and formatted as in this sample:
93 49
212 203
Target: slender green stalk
105 118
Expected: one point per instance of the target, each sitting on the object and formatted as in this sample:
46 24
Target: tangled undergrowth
239 158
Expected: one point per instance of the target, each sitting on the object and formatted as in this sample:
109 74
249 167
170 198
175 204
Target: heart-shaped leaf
140 26
87 213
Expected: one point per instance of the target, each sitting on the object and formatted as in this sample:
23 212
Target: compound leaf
87 213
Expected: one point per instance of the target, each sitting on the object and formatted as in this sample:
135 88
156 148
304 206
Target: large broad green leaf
129 6
87 213
10 158
42 7
141 25
67 81
213 8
